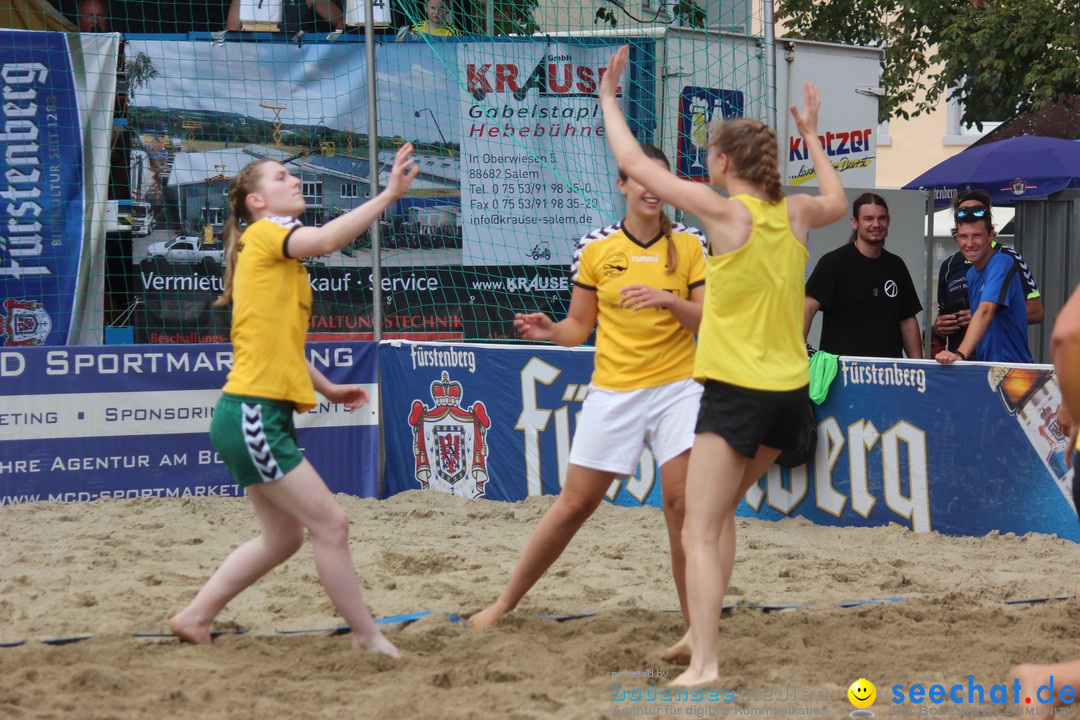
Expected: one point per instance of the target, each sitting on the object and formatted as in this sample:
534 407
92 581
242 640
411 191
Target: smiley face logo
862 693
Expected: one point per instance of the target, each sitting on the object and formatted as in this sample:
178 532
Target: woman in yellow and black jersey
641 283
252 429
750 356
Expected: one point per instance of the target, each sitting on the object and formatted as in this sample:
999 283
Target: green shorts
255 437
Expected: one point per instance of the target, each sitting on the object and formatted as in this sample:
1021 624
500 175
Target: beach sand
112 568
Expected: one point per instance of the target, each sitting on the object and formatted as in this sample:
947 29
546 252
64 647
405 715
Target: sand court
886 604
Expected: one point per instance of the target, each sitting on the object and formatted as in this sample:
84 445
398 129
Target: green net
124 239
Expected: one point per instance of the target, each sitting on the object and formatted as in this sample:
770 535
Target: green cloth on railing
823 366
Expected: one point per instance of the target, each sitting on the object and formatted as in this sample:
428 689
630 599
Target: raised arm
339 232
695 198
830 204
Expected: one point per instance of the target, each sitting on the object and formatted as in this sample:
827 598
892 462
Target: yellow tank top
751 325
271 309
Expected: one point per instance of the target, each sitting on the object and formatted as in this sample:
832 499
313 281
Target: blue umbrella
1018 168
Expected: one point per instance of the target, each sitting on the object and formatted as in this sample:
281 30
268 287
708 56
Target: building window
350 190
958 134
312 191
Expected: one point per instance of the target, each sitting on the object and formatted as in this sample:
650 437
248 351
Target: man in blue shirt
998 328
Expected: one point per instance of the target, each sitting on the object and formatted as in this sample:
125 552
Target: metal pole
489 17
929 302
373 170
770 61
376 228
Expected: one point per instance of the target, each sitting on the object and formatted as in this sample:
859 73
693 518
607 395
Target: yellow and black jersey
271 310
644 348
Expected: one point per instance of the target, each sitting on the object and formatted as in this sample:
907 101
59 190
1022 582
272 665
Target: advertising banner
699 108
535 168
487 421
125 421
54 149
963 450
420 303
967 449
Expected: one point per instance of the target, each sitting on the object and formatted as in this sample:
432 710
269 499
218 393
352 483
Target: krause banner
422 303
963 450
59 91
93 423
519 158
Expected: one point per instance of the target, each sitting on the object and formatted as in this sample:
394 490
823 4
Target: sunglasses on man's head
972 213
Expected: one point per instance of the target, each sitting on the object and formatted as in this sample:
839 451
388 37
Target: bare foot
189 630
691 677
1032 678
679 653
486 617
375 643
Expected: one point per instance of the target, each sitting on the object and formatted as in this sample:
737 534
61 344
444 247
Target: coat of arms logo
26 323
449 442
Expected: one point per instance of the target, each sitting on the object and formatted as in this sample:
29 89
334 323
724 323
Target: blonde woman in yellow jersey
751 356
640 282
253 428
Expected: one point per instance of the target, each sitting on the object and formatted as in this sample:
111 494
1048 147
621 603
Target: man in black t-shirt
865 292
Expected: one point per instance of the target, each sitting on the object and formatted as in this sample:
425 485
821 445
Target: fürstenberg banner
59 91
963 450
966 449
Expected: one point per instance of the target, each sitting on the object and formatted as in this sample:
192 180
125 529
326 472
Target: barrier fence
963 450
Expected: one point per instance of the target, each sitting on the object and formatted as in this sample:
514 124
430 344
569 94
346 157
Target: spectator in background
997 331
296 15
93 16
438 20
952 296
865 292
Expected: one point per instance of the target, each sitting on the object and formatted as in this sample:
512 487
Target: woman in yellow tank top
750 355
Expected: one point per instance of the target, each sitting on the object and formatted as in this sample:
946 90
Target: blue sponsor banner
41 189
487 421
966 449
698 109
963 450
128 421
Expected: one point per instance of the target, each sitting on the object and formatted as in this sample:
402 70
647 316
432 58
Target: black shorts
748 419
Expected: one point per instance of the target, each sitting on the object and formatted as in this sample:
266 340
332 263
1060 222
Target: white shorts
614 426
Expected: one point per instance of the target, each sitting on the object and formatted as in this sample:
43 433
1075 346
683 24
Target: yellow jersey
427 28
751 325
643 348
271 310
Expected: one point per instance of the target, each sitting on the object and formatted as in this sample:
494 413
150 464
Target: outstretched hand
534 326
353 397
404 170
609 80
807 120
